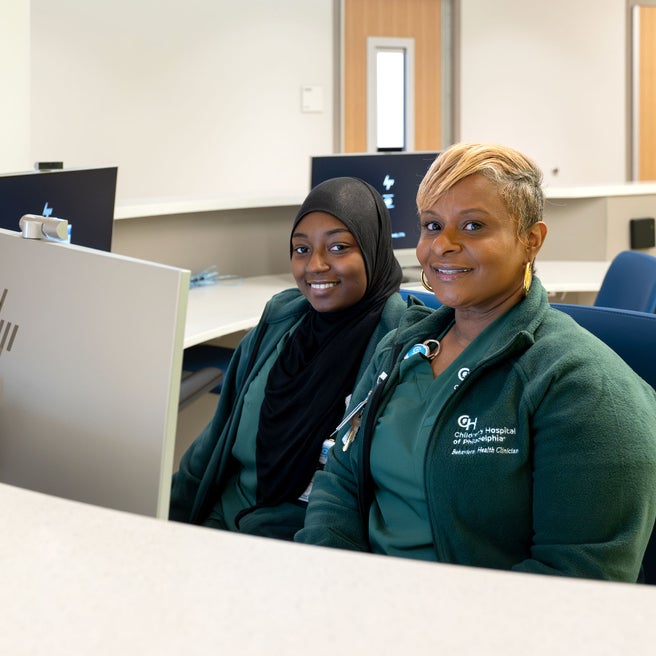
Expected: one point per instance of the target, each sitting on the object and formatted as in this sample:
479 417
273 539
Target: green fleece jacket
205 465
543 458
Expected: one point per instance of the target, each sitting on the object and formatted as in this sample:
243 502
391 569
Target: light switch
311 98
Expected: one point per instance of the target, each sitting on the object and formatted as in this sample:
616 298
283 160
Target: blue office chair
426 297
632 335
629 283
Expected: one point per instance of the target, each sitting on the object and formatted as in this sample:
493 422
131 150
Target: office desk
79 579
228 307
219 310
562 276
571 276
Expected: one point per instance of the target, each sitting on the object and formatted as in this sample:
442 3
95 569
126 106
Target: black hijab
308 384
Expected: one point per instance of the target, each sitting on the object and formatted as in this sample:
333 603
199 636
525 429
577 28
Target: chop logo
8 330
466 422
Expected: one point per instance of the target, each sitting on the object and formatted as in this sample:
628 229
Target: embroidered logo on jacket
469 440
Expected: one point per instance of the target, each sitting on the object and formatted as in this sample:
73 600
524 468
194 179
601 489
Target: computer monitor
90 364
84 197
396 176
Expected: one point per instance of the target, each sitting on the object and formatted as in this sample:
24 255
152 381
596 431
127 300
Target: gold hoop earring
528 278
424 282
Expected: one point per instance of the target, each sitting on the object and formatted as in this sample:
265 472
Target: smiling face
327 263
470 251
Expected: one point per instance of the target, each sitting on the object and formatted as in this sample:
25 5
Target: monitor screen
84 197
396 176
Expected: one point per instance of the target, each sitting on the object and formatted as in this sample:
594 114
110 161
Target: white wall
14 82
550 79
188 97
202 97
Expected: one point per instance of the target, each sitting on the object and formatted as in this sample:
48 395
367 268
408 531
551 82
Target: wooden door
416 19
646 111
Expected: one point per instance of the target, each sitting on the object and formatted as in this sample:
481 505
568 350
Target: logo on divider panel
8 330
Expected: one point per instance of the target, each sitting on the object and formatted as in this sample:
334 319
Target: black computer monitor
396 176
84 197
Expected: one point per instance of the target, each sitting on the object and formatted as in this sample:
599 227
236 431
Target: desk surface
571 276
186 205
231 306
79 579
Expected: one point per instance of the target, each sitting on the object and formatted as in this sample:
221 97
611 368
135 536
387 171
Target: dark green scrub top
398 518
241 488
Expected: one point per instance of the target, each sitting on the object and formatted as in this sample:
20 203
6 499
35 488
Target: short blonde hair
518 179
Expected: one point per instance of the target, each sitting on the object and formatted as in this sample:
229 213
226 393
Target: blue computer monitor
84 197
396 176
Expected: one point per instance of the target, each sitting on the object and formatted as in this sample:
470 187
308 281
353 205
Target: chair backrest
629 283
632 335
426 297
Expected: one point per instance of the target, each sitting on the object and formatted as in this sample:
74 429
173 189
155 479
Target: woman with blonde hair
495 431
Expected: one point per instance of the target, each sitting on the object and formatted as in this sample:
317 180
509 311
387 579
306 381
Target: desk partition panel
90 361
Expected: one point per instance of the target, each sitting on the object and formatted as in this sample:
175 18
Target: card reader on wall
642 233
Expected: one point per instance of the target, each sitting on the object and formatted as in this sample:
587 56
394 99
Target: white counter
165 206
136 208
79 579
602 191
229 307
584 223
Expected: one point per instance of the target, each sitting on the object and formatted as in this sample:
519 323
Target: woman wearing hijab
285 390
